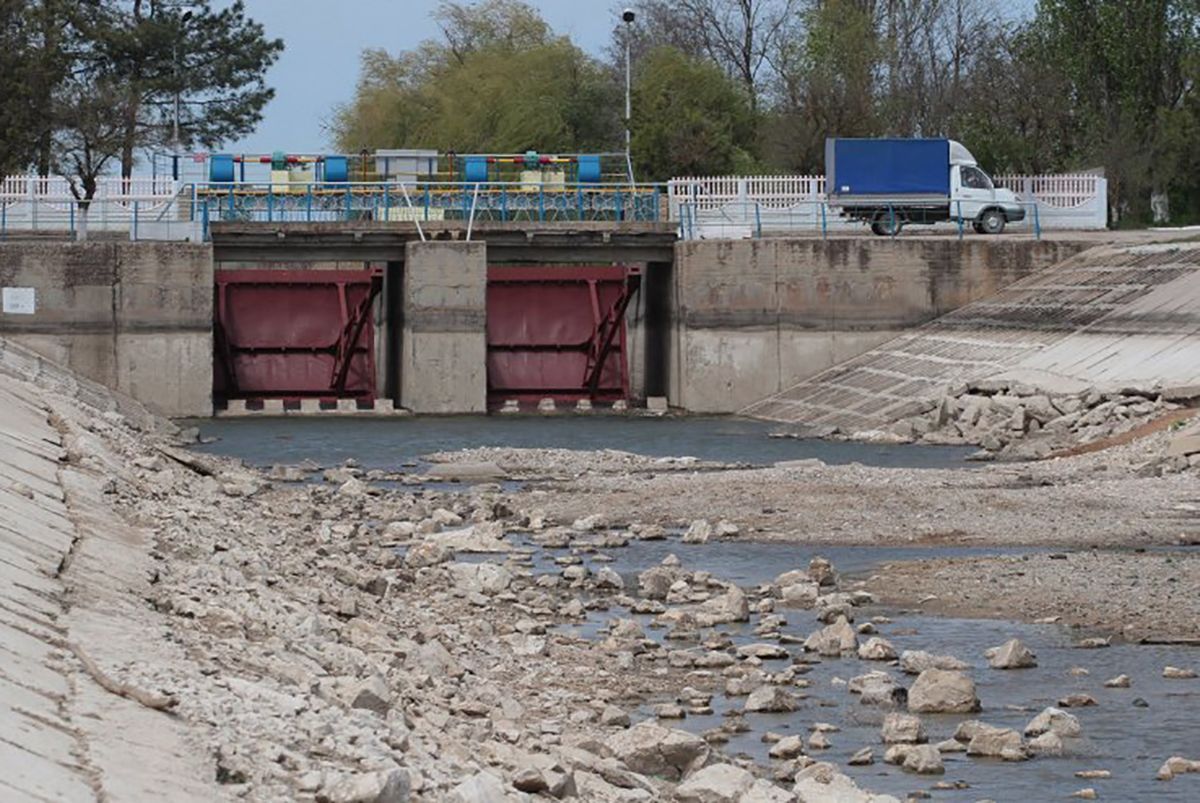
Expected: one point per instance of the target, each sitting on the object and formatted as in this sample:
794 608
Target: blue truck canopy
887 168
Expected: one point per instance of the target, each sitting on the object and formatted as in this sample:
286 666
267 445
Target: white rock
770 699
1012 654
1053 720
716 783
943 692
902 728
483 787
651 749
914 662
833 640
370 787
877 649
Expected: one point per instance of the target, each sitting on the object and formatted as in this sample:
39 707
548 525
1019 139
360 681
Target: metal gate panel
558 332
294 333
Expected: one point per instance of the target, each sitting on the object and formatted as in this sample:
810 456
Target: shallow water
388 443
1129 741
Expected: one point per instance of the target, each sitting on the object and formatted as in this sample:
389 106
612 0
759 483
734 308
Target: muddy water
1130 741
392 442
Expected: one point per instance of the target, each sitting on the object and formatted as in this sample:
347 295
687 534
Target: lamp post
184 18
628 17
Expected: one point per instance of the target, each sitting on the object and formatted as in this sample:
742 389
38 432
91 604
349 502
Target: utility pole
628 16
176 144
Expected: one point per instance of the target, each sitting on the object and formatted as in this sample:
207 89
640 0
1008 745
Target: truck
889 183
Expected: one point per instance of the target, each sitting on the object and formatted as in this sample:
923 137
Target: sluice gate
290 334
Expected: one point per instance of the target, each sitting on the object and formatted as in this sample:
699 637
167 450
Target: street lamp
184 18
628 17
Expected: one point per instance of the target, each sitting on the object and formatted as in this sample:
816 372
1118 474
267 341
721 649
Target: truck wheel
978 227
886 225
991 221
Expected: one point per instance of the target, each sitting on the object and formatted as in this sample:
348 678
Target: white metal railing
1063 201
56 189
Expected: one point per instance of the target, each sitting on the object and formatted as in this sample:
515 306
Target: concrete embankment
71 616
752 317
1110 318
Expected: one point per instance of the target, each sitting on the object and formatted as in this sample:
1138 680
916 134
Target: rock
818 741
427 553
467 471
951 746
1119 682
371 694
914 662
1176 765
651 749
873 688
483 537
698 532
877 649
787 747
862 758
833 640
530 780
821 572
596 521
392 786
1077 700
1094 643
823 783
764 652
801 594
614 717
1085 794
943 692
763 791
902 728
1177 673
771 699
669 711
484 578
607 578
655 582
1093 774
1003 743
924 759
1012 654
1053 720
1048 744
716 783
482 787
731 606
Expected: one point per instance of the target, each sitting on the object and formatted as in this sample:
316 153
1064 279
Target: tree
31 64
501 81
213 62
1126 64
689 118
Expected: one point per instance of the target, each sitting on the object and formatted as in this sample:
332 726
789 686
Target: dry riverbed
351 640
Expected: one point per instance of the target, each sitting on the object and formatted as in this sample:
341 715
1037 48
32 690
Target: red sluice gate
558 331
290 334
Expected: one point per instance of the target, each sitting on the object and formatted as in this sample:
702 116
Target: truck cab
975 199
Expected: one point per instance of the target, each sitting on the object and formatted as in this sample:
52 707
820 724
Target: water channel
1130 739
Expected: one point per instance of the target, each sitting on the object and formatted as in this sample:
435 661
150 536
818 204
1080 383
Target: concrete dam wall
1111 317
135 317
713 325
753 317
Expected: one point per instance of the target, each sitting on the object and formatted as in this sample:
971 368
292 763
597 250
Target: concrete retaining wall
755 316
443 363
135 317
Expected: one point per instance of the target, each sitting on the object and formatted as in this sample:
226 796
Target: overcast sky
323 39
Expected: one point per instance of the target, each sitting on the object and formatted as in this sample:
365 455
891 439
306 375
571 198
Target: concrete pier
443 364
135 317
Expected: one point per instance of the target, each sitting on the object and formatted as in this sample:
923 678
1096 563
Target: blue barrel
476 169
589 169
337 168
220 168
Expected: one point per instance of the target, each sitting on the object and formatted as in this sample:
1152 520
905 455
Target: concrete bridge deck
574 242
1109 317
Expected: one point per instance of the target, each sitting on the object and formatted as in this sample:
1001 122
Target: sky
323 40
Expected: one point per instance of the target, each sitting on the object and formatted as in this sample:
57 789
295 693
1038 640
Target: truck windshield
975 179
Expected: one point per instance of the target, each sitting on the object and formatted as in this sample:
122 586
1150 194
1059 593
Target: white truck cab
975 199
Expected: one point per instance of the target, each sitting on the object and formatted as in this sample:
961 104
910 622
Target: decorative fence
46 204
733 206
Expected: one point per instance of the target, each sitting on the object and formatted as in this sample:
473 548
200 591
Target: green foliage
31 64
689 118
500 82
